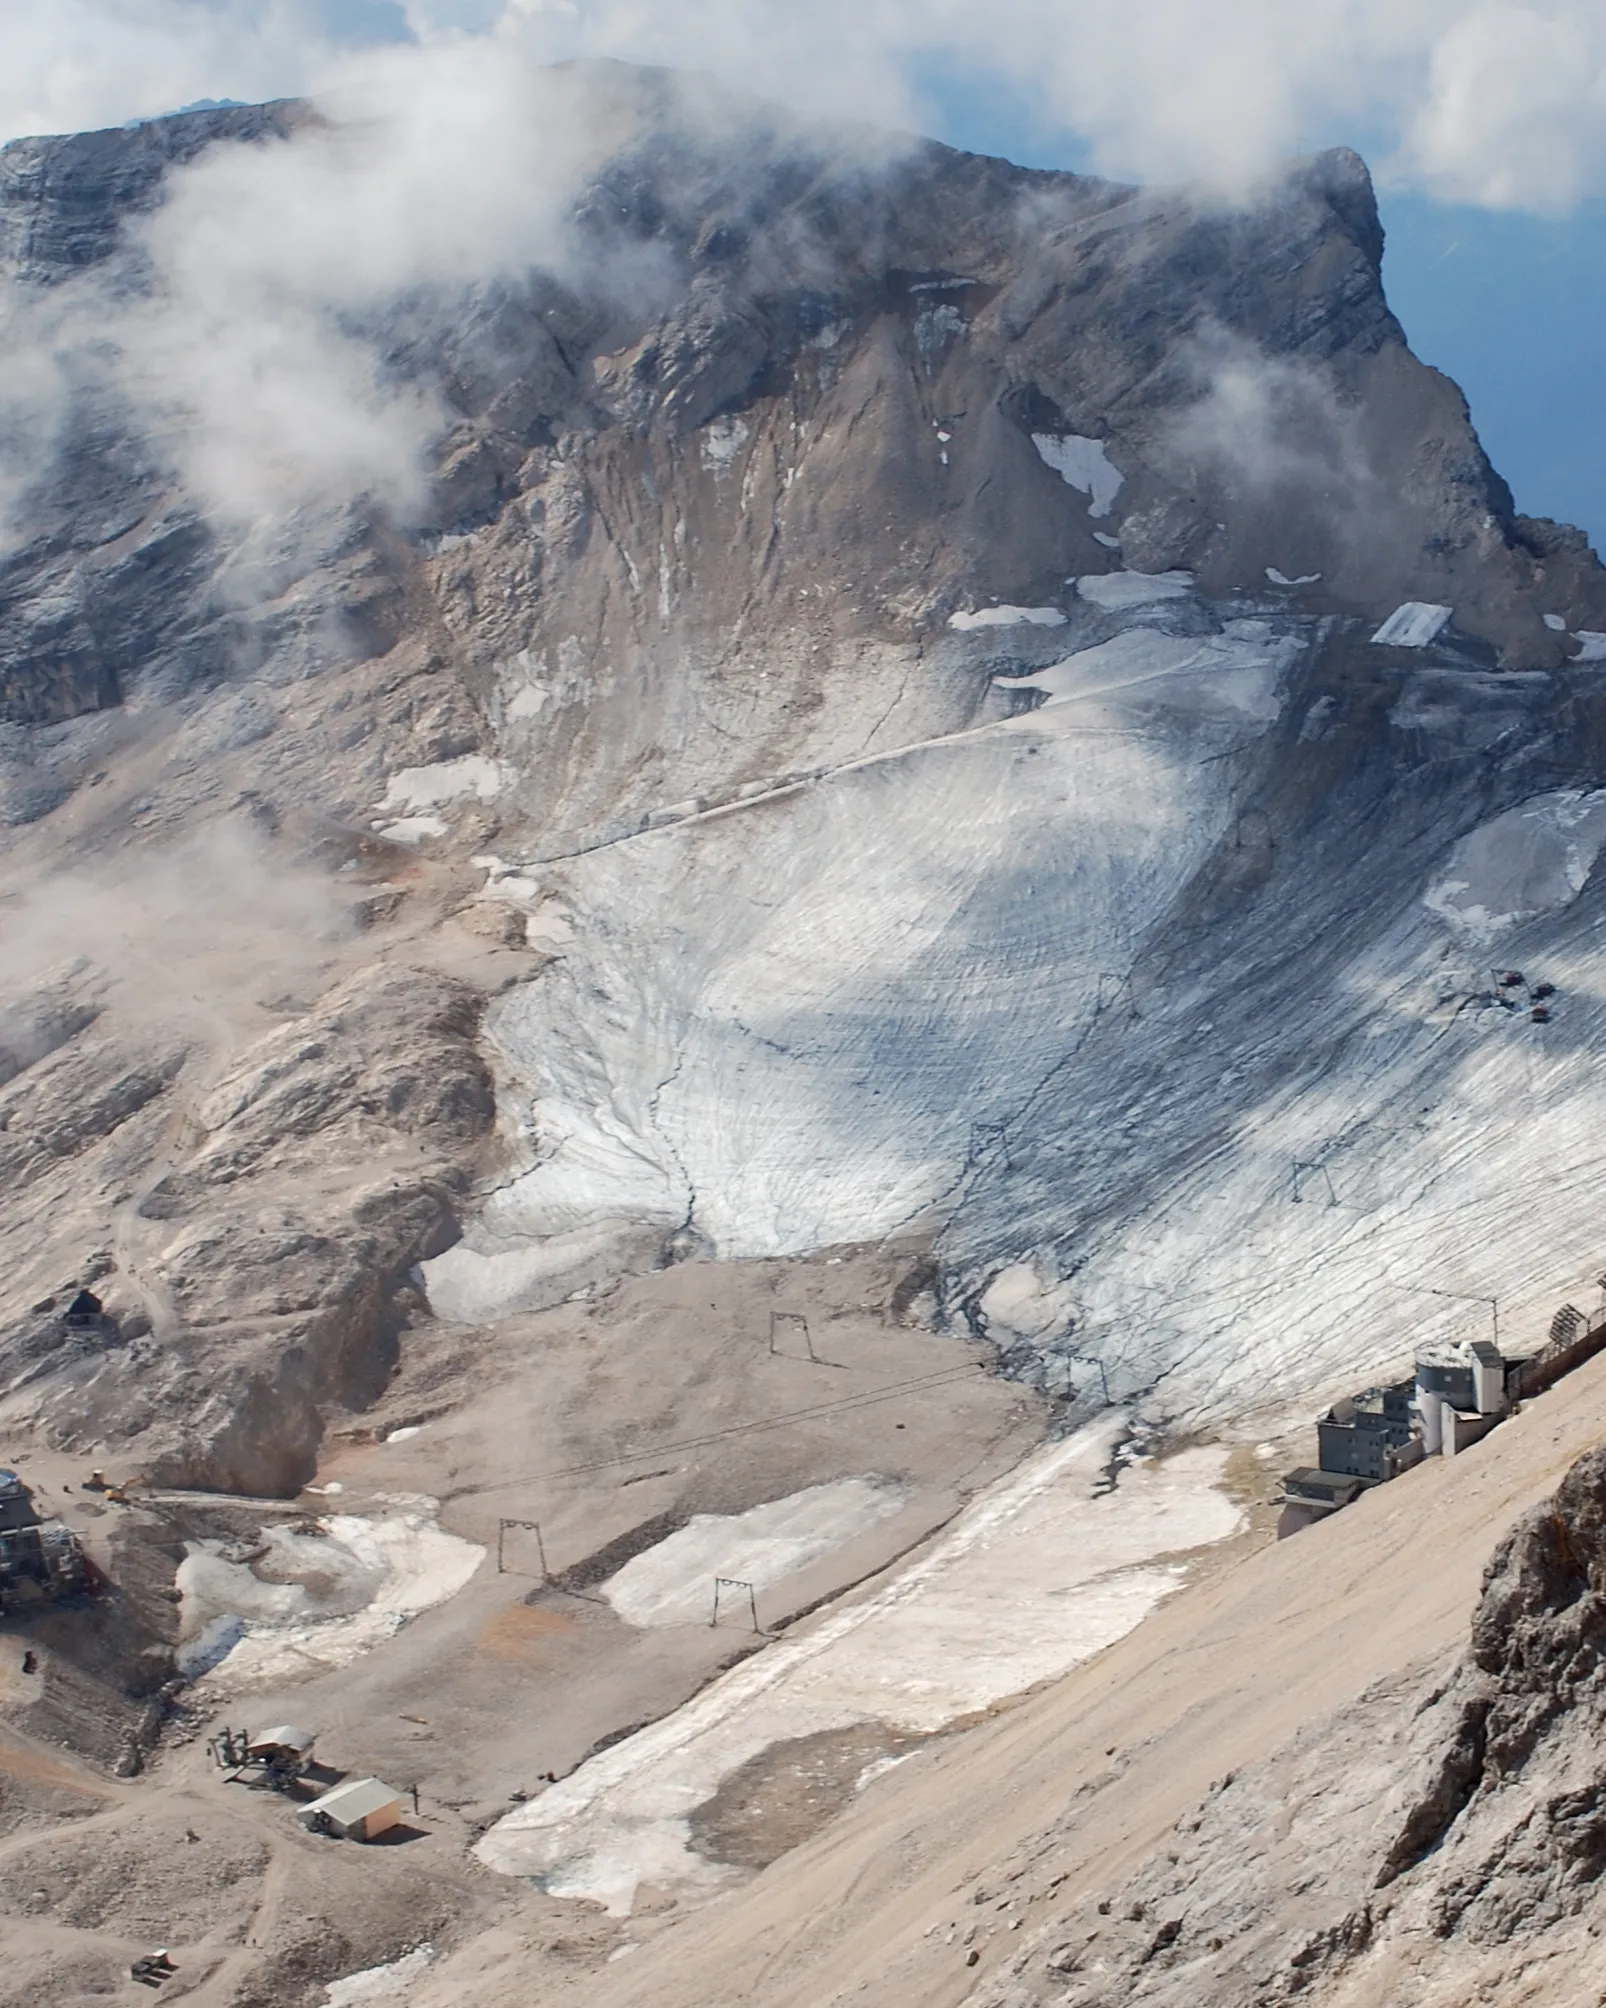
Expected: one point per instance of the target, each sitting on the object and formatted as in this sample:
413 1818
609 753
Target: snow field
1042 1570
308 1602
671 1583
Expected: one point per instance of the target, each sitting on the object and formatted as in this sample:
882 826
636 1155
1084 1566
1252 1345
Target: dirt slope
995 1842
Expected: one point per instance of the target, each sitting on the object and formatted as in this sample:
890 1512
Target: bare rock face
1433 1842
264 1273
1241 371
64 201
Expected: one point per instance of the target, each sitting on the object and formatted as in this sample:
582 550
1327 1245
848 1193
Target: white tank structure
1430 1411
1488 1379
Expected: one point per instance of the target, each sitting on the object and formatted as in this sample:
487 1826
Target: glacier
1185 1075
785 1025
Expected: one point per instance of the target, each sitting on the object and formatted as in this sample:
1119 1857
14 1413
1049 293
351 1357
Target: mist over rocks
721 260
66 201
262 1239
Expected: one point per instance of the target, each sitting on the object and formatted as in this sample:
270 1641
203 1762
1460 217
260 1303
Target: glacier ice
1187 1075
781 1026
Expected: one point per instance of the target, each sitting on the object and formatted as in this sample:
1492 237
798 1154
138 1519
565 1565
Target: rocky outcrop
65 203
1434 1842
264 1263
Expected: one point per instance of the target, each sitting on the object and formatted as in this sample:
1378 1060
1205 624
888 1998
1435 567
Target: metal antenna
1310 1169
1114 984
1092 1360
795 1322
1475 1297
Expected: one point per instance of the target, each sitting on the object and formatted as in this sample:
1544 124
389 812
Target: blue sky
1514 308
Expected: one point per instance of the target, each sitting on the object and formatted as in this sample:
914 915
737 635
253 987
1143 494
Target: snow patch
996 617
528 701
474 1282
1555 623
1591 646
306 1601
506 882
1282 579
935 327
412 829
210 1646
379 1983
1083 464
1413 625
446 781
1024 1302
722 440
1533 859
671 1583
549 927
1115 591
1036 1575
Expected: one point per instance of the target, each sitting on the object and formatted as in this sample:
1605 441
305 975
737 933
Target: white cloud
248 358
447 169
74 65
1493 101
1514 115
1267 423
